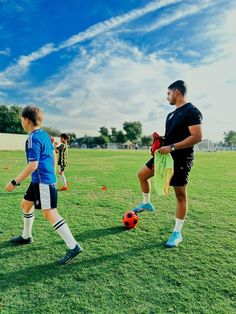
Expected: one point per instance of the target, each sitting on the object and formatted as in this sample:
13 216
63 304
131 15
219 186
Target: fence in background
10 141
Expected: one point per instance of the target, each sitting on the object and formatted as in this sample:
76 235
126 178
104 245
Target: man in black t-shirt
183 131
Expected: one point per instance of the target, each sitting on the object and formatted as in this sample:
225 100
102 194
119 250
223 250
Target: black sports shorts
181 170
44 196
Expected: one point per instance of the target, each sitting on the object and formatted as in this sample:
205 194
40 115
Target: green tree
102 141
52 131
230 138
87 140
72 138
120 137
3 118
146 140
104 131
133 130
113 135
10 119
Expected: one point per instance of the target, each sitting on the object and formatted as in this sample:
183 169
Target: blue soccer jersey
39 148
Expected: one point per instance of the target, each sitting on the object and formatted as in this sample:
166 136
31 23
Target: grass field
122 271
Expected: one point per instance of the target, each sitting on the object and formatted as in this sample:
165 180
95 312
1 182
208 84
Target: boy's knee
49 213
25 206
45 214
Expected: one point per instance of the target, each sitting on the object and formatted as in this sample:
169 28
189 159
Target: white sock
63 178
28 223
178 224
146 198
63 229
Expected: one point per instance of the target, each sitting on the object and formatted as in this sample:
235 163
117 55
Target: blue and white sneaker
174 239
144 207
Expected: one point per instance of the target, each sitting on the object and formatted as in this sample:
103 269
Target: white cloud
127 86
5 52
113 81
116 82
25 61
182 12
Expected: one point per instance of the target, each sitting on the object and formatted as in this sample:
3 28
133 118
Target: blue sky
98 63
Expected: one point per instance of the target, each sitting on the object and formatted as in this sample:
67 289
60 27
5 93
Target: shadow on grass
4 244
97 233
17 250
37 273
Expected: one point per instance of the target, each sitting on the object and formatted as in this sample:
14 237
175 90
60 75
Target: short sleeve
194 117
34 149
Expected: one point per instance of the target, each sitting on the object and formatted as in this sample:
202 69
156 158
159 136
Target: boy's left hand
9 187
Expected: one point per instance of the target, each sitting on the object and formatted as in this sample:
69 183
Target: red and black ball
130 220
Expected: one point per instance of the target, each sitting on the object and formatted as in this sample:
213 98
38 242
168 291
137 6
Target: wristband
13 182
172 147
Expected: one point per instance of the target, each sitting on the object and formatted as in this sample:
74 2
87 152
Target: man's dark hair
180 85
34 114
65 136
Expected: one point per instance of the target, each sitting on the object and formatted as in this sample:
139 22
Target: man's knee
140 175
145 174
181 196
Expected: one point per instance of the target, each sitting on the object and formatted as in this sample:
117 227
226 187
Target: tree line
10 121
132 131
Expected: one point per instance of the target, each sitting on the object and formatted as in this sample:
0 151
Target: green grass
122 271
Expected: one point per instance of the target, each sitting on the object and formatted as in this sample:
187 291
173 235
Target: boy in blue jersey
42 191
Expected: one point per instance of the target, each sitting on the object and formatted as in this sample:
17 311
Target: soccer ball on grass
130 220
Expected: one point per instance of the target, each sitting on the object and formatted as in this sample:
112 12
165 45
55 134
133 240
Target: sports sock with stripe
28 223
64 231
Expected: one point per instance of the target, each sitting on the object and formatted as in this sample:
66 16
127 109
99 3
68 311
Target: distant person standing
42 192
183 131
62 151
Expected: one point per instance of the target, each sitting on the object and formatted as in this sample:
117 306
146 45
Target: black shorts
150 164
181 170
44 196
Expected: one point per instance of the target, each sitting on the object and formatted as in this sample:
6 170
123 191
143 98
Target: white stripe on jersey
30 141
45 197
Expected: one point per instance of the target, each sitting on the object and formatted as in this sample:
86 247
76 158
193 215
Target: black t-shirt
177 123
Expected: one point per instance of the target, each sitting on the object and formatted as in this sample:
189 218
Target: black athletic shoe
20 241
70 254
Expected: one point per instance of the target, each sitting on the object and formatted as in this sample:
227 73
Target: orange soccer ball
130 220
